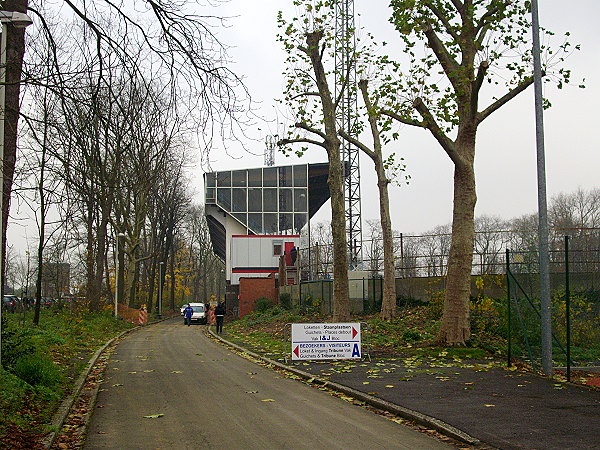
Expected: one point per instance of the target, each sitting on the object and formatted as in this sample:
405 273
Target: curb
415 416
64 409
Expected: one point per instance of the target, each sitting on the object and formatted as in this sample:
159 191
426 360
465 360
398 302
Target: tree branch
460 7
370 153
304 126
283 142
504 99
448 63
434 9
431 124
404 120
481 71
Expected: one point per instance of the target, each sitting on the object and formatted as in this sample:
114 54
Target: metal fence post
508 304
568 307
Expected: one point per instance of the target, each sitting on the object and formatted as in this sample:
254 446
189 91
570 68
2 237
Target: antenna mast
270 144
345 86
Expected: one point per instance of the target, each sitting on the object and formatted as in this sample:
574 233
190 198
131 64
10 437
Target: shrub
16 343
263 304
37 370
411 336
285 300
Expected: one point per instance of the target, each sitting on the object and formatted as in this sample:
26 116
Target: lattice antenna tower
345 86
270 145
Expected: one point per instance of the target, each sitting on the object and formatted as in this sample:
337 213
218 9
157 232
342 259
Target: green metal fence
365 294
575 300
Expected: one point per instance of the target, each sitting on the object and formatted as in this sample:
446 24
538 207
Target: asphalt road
212 398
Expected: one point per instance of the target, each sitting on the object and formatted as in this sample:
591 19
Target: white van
199 314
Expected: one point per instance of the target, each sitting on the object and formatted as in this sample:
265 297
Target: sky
506 169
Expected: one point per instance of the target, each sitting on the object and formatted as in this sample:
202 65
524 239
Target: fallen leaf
132 372
118 384
267 400
153 416
389 385
366 382
251 392
148 371
176 371
487 406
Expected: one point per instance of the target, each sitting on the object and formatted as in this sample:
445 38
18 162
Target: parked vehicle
199 314
10 303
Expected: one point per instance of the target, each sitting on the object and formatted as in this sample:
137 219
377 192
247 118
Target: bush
263 304
16 343
285 300
37 370
411 336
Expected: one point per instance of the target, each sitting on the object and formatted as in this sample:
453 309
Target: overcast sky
506 152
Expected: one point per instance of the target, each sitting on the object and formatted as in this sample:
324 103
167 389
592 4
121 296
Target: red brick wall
253 288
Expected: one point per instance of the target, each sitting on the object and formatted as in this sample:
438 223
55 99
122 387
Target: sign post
326 341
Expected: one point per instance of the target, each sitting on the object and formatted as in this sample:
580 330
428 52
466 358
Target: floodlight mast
345 87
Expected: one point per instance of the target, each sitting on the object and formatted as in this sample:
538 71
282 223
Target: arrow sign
325 341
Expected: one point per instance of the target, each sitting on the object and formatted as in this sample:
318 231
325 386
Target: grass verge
40 364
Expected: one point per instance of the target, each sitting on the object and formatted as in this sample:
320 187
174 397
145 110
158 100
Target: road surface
209 397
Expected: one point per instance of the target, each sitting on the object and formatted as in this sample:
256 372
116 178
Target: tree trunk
15 50
341 301
388 304
455 328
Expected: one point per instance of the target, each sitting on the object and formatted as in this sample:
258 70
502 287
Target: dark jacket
220 310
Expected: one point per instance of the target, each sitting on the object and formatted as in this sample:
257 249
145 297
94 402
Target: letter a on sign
355 351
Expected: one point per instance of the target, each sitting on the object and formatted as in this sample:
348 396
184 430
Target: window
285 176
238 178
255 200
300 203
270 176
300 179
224 198
255 177
270 200
255 222
270 223
285 222
285 200
277 248
211 179
210 195
239 200
299 222
224 179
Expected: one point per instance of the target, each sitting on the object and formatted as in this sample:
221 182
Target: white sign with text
326 341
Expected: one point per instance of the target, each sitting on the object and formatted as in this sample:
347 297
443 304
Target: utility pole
543 249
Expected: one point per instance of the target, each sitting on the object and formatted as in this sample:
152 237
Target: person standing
187 313
220 315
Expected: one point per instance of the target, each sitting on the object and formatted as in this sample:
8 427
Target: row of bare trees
112 100
575 214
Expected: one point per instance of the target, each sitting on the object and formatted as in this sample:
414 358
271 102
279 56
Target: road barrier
143 317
